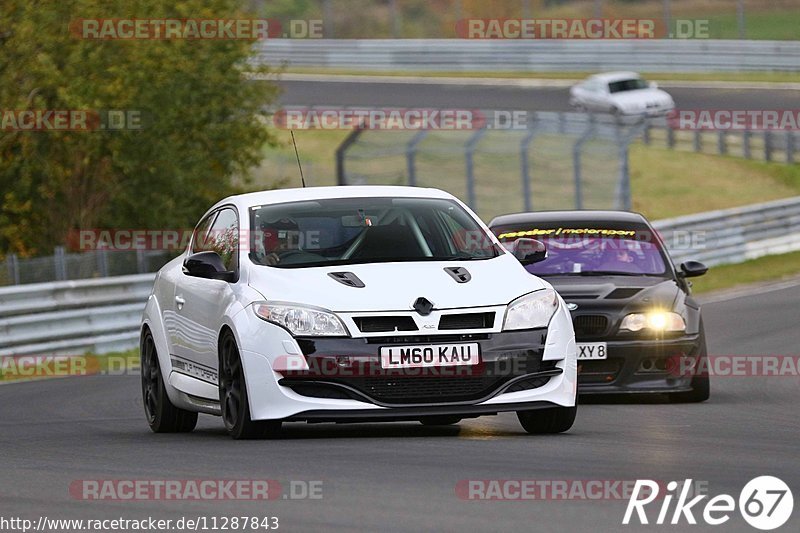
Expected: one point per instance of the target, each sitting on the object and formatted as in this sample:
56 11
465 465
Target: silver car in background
620 93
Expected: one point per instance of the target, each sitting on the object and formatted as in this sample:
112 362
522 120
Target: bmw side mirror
528 251
692 269
207 265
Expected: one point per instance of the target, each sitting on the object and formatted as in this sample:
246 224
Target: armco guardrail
658 55
72 317
734 235
103 315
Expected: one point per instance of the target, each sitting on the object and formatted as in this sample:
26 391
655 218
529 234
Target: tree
201 121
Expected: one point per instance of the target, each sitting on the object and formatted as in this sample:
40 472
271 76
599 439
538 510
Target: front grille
467 321
427 339
428 389
375 324
590 325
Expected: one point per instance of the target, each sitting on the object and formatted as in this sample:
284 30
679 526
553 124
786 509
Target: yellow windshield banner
553 232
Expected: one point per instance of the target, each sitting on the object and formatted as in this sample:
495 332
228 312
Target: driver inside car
280 237
620 259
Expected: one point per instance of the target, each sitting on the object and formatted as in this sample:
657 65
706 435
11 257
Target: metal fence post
722 145
576 161
102 262
646 137
59 263
524 146
767 145
697 142
670 137
13 268
746 144
411 154
469 156
789 146
341 151
141 261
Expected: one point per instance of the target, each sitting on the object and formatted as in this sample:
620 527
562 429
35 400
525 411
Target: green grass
776 25
668 183
767 268
24 369
758 77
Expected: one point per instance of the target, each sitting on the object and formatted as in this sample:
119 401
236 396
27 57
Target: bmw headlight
657 321
533 310
301 320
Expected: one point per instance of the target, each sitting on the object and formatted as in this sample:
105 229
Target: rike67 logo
765 503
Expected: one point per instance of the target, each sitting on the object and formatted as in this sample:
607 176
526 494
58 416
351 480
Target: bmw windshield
344 231
586 251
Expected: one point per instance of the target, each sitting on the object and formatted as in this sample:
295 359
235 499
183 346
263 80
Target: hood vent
577 296
460 274
347 278
623 293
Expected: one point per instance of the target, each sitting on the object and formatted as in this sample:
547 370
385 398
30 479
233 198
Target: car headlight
533 310
301 320
654 321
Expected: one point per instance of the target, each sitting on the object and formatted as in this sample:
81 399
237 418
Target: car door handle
180 301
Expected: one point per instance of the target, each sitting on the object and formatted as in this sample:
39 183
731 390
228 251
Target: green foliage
202 122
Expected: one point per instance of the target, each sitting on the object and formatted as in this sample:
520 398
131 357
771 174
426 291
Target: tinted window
592 250
365 230
627 85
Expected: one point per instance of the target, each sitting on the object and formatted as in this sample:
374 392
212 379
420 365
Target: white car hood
640 98
395 286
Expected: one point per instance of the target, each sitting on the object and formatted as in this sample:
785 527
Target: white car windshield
633 84
343 231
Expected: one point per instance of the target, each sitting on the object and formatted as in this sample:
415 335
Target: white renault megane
352 304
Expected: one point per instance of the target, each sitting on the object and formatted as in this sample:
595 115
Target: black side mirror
528 251
692 269
207 265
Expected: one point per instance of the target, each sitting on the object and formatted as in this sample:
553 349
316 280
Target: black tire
546 421
440 420
233 396
701 385
162 416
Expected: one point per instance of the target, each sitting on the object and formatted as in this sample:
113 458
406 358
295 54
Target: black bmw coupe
637 327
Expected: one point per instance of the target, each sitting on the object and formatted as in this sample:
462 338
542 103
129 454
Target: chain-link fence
67 266
559 160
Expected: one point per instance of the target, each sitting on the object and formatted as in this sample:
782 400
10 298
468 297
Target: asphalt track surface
473 96
402 476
